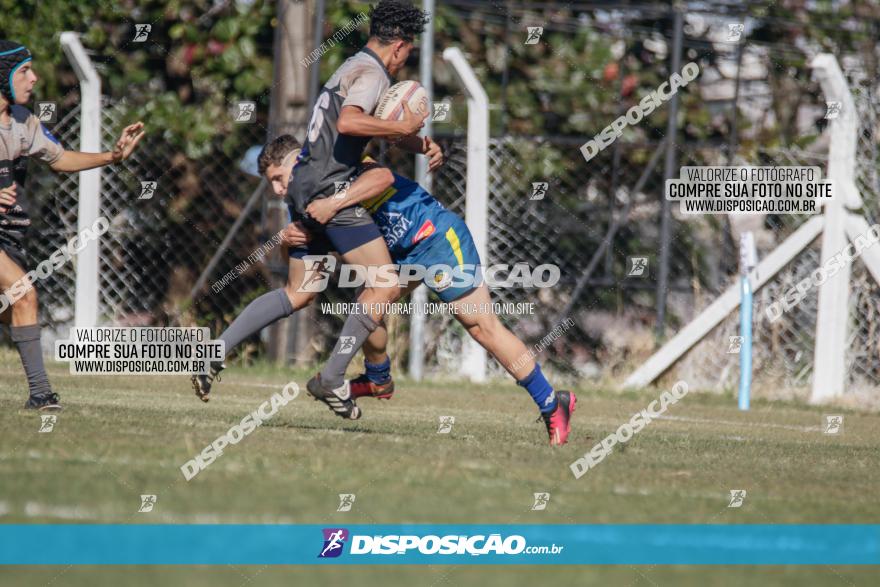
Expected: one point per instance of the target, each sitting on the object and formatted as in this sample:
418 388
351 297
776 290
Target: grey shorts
341 237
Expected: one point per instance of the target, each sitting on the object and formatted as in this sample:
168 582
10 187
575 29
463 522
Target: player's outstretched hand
7 198
412 122
131 136
434 154
323 210
295 234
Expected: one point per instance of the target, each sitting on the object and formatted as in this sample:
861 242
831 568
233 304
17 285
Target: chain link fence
784 350
157 246
616 313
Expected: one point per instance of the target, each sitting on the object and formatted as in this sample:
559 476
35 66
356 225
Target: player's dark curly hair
396 19
275 151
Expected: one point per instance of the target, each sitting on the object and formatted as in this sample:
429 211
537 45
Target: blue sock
379 373
540 390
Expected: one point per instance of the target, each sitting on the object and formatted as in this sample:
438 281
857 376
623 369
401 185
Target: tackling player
418 230
22 136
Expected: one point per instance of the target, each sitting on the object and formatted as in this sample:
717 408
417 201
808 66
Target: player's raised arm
72 161
354 121
423 146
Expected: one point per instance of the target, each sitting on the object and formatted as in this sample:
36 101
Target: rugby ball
408 92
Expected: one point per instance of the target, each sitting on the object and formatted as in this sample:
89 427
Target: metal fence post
420 295
473 362
669 170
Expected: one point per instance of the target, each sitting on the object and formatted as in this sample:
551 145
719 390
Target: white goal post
89 201
473 360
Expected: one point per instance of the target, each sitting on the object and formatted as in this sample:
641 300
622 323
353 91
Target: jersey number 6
317 120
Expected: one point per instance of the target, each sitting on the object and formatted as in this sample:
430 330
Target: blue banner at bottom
480 544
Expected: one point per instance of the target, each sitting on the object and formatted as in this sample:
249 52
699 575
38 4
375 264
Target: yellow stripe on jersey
456 245
373 203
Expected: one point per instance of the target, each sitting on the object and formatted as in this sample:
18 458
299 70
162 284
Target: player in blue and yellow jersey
418 230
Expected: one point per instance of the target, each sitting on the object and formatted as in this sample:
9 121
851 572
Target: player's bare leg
376 347
485 327
474 312
25 332
376 380
385 290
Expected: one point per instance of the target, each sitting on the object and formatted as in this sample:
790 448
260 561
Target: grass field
120 437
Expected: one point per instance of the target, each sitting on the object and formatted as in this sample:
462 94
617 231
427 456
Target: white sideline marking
233 382
34 509
747 424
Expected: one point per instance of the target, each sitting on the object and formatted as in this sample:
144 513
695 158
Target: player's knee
26 303
299 299
383 295
390 294
485 329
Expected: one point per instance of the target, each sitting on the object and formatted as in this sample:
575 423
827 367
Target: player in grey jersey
341 125
342 121
23 136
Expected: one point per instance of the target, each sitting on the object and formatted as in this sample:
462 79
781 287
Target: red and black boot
363 387
559 420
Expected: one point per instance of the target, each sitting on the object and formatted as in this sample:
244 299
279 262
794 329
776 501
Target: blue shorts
451 259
